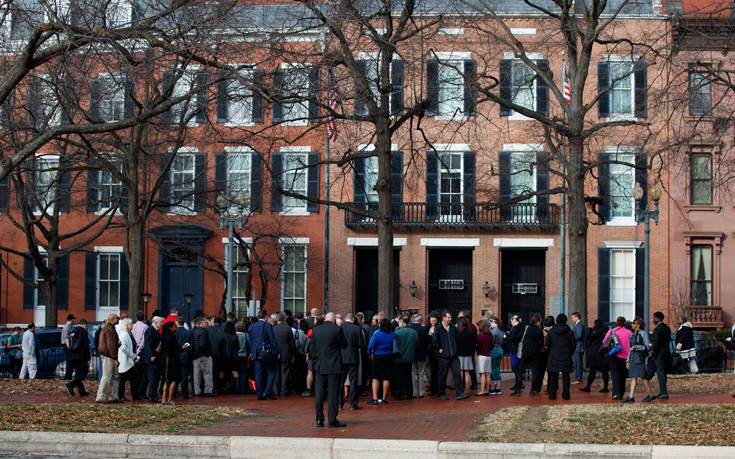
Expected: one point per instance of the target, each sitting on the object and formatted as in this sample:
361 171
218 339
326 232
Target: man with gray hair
151 352
325 347
419 376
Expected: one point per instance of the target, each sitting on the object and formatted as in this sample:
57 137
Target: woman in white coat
128 358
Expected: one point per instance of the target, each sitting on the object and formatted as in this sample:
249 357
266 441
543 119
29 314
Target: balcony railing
705 316
481 214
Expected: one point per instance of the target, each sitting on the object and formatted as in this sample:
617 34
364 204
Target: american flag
566 92
332 100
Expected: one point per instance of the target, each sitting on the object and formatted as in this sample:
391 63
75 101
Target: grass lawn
111 418
613 424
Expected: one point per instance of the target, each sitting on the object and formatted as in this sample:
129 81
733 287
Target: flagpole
563 230
326 224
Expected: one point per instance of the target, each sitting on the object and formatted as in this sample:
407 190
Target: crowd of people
275 355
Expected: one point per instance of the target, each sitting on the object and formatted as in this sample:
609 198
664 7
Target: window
183 171
450 184
701 275
294 278
621 92
118 13
108 280
48 112
622 284
46 173
371 179
184 86
295 180
622 181
110 189
523 85
701 178
108 97
39 301
238 176
296 88
240 100
451 88
240 280
699 94
523 181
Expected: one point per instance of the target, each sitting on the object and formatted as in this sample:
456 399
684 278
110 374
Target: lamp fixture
486 289
412 288
188 298
147 298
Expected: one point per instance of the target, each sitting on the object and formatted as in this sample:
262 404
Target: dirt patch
717 383
38 386
692 424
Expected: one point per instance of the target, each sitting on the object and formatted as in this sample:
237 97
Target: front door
366 281
522 284
450 280
181 276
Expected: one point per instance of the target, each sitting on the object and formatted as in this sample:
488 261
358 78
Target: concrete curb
101 445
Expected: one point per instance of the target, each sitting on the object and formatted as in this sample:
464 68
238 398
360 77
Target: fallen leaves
38 386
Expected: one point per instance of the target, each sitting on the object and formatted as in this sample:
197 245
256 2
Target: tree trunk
577 215
48 292
385 224
136 257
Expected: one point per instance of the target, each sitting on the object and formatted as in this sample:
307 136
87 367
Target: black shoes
649 398
356 407
83 393
604 390
462 396
442 397
628 400
338 424
319 423
272 397
373 402
515 393
70 388
584 389
662 396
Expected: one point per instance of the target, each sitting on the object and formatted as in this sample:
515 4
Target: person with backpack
15 354
616 345
79 358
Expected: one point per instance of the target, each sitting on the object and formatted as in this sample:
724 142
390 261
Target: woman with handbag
636 362
616 346
381 349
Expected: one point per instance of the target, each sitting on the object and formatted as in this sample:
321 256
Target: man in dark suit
184 336
418 369
661 353
579 338
151 350
219 361
327 342
259 333
351 356
287 346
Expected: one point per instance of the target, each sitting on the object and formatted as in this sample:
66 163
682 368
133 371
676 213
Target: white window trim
373 241
443 58
248 68
451 147
242 150
523 31
189 69
103 210
612 319
529 56
246 240
624 150
296 211
623 245
451 31
449 242
523 147
107 309
451 217
299 66
534 178
625 59
174 209
293 240
305 245
507 242
108 249
515 116
43 157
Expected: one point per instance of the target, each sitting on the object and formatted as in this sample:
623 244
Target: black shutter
603 186
505 188
469 185
432 87
360 180
641 176
470 84
96 88
223 98
641 85
312 189
62 283
123 197
277 91
90 281
396 81
314 87
640 278
64 198
164 192
129 104
542 184
276 172
360 107
93 192
542 89
167 82
396 185
220 175
506 75
256 182
202 97
603 84
29 272
200 182
124 283
432 186
257 102
34 104
603 285
5 193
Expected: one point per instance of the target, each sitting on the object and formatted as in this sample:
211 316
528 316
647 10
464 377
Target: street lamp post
230 217
644 215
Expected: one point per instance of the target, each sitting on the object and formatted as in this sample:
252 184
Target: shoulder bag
265 355
519 353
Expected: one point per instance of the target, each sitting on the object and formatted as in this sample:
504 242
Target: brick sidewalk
426 419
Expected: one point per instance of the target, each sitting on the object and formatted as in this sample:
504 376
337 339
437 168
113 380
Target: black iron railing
481 214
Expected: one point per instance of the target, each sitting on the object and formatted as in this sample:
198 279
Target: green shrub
724 333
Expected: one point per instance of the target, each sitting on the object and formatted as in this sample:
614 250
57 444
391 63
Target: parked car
711 354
